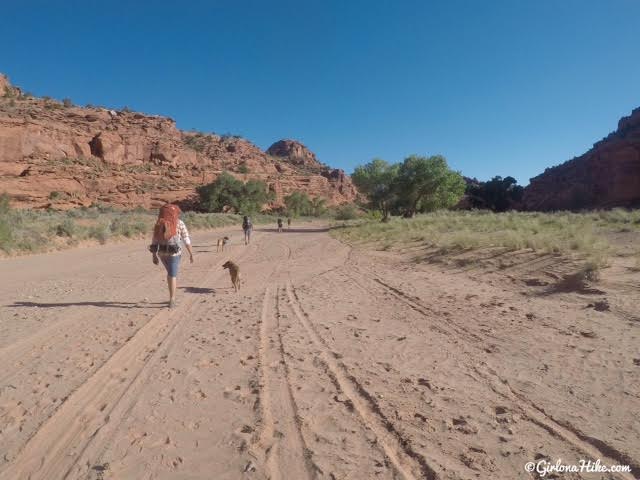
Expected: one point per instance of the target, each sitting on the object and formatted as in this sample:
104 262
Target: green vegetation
5 227
45 230
583 235
196 141
346 212
377 179
243 168
498 194
300 204
66 102
56 195
297 203
417 185
227 193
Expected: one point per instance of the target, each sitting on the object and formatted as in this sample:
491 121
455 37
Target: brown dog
234 271
221 243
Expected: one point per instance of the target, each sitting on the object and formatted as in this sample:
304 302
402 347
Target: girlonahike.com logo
545 467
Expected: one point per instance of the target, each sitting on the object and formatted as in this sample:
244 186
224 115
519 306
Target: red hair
167 224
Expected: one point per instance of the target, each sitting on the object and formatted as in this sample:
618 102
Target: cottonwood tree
298 203
227 192
498 194
376 180
424 184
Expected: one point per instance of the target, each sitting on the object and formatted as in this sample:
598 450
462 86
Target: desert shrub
373 215
55 195
66 229
5 205
6 236
66 102
100 233
346 212
196 141
243 168
128 227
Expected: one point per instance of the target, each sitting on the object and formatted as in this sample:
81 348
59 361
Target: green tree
254 195
426 184
498 194
377 180
318 206
298 203
227 192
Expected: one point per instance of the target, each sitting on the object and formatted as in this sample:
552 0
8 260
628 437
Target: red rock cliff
606 176
58 155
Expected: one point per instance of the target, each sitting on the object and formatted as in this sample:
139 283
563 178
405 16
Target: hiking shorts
171 263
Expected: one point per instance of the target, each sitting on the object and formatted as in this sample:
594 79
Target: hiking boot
172 303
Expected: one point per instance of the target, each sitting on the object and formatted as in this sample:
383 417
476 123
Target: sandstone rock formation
606 176
293 152
52 155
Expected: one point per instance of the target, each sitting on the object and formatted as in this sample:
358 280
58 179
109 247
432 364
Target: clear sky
499 87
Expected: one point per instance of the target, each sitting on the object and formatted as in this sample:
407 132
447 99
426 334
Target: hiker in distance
246 228
169 235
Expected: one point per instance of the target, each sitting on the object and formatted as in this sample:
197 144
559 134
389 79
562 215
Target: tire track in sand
592 447
63 439
407 462
281 445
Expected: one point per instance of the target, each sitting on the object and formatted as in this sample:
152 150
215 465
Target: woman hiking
169 234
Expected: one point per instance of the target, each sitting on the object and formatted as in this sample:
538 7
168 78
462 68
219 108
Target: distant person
246 228
288 222
169 234
279 224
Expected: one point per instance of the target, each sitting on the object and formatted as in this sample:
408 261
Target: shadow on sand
199 290
90 304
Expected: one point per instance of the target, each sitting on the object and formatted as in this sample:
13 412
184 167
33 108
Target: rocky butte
606 176
55 154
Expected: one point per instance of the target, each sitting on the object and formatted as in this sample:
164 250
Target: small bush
243 168
5 206
6 237
128 227
66 229
55 195
100 233
346 212
67 102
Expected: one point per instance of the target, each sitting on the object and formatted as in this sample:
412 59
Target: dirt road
330 363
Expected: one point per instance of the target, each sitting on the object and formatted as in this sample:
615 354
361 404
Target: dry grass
581 235
31 231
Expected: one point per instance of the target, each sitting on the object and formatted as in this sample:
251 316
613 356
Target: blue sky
499 87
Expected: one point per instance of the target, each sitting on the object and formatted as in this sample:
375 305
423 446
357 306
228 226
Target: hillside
606 176
55 154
